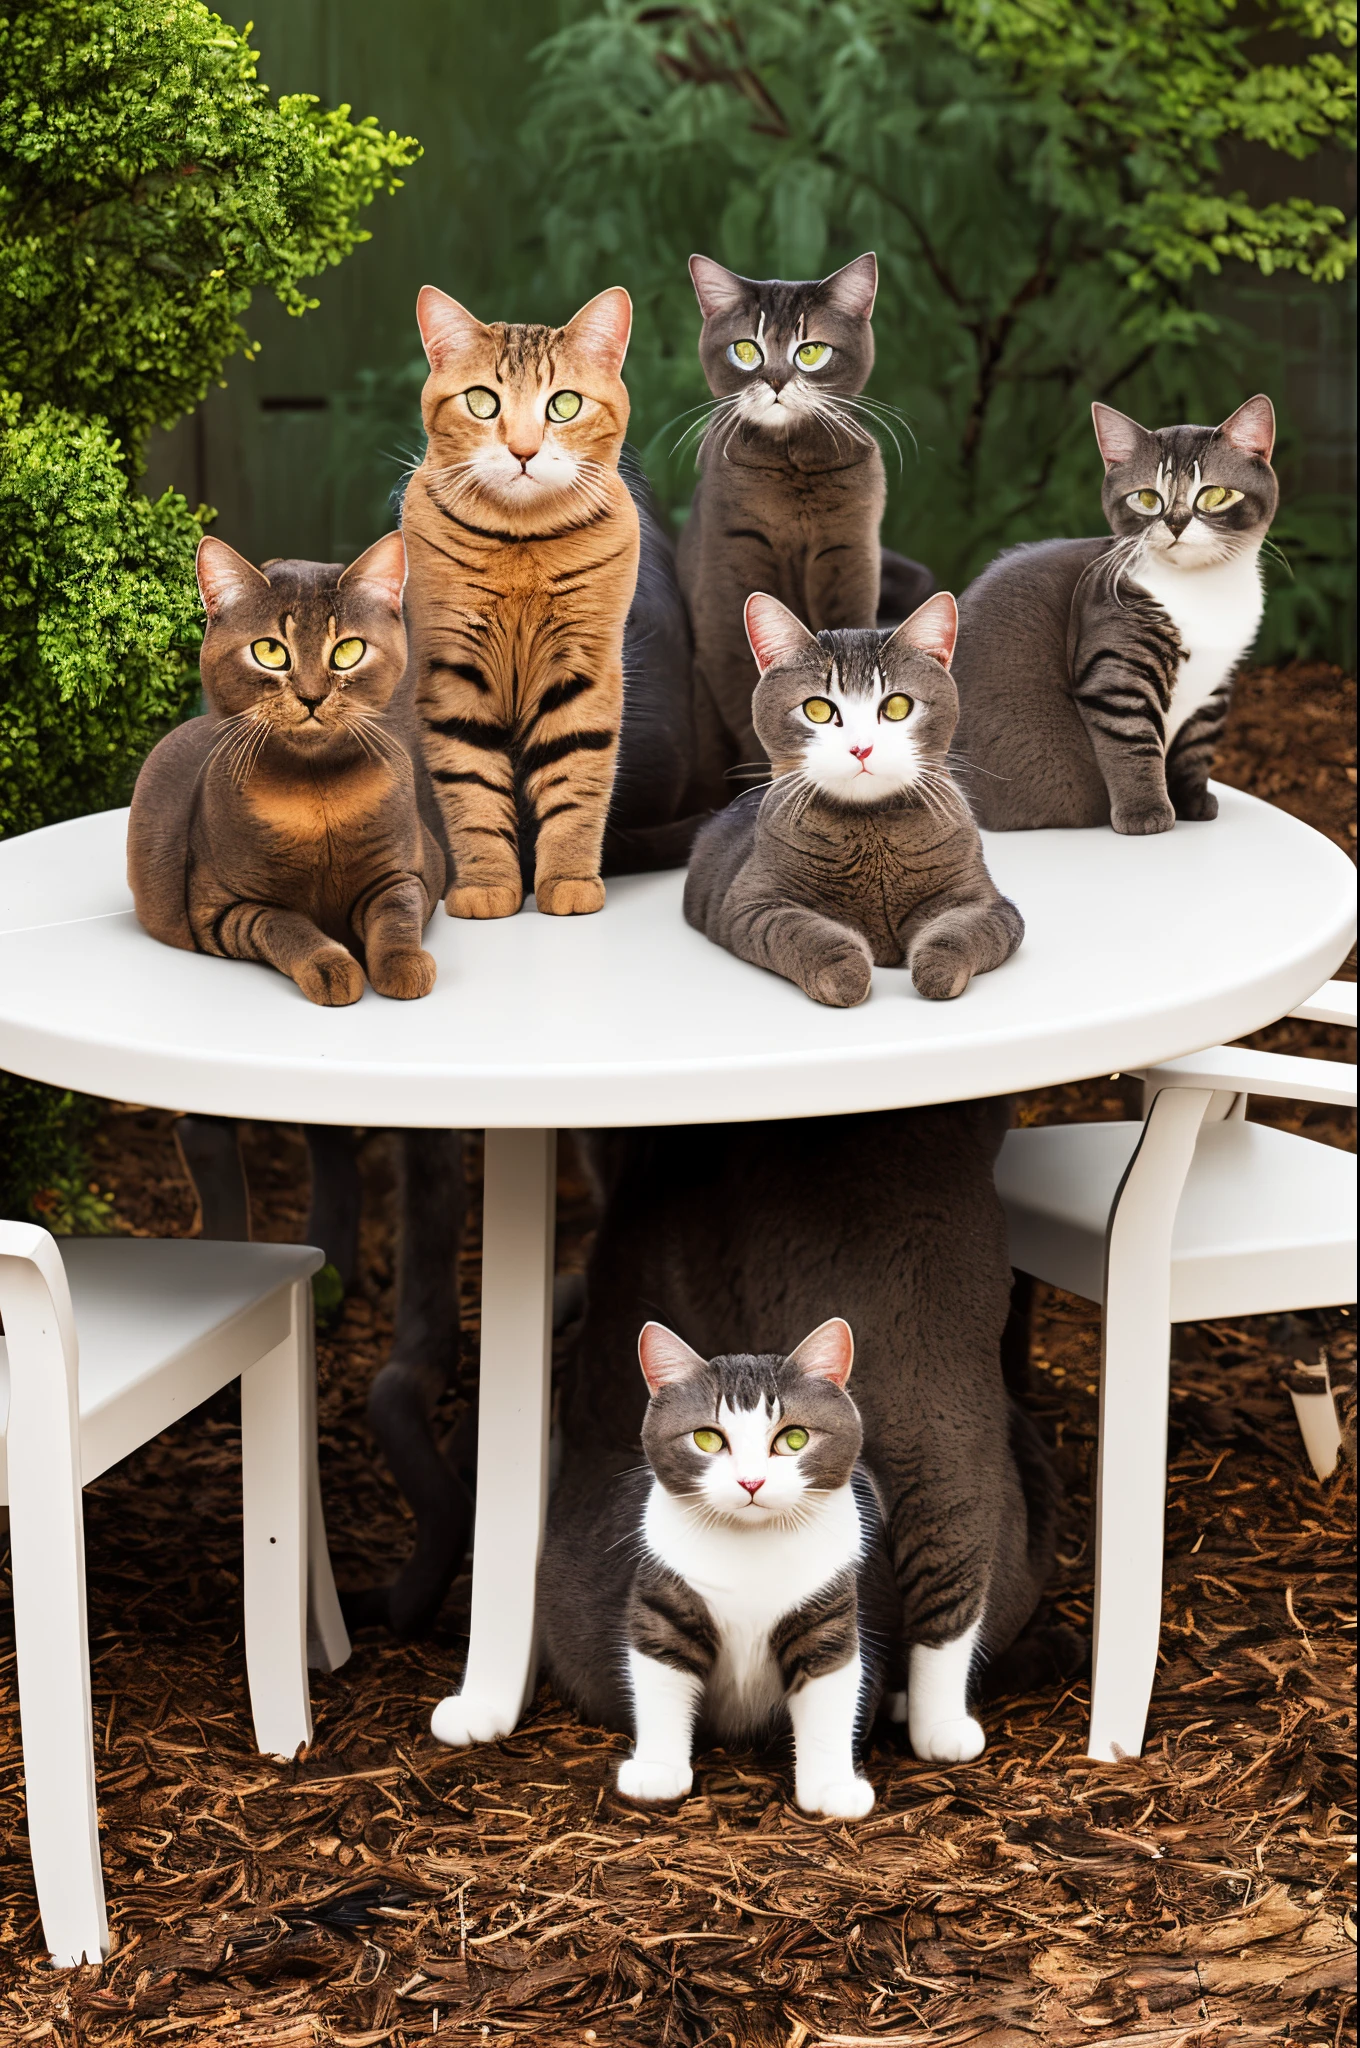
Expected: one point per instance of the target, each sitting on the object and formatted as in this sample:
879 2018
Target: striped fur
523 549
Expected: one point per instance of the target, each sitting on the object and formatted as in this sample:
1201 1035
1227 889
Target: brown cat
283 827
861 850
523 546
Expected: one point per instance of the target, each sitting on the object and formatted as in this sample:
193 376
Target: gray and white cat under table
1136 950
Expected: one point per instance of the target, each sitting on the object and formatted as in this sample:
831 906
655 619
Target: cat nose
523 456
752 1486
1178 521
776 376
862 753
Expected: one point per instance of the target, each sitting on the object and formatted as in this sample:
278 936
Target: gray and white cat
861 850
741 1583
1094 676
791 485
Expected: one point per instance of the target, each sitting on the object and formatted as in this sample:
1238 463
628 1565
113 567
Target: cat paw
842 980
462 1719
333 978
839 1798
570 895
949 1742
1142 819
641 1779
1196 806
404 975
938 974
502 900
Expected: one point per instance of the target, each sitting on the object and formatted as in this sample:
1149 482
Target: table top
1136 950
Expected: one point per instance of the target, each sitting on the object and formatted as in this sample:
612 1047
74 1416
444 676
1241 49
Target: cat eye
346 653
895 707
270 653
790 1440
481 403
1144 501
710 1440
1217 498
813 355
747 355
564 405
820 710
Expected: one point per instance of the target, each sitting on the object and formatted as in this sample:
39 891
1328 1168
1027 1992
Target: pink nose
861 753
752 1486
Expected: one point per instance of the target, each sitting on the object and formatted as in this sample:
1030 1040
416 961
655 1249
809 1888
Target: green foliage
149 184
1037 176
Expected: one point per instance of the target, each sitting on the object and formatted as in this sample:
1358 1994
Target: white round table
1136 950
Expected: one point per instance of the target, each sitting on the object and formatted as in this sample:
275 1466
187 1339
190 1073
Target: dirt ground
383 1889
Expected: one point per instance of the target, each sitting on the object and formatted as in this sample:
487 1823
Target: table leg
518 1214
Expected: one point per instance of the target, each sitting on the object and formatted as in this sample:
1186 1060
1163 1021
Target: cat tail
159 828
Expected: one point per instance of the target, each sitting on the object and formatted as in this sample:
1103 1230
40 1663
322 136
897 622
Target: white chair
107 1341
1193 1213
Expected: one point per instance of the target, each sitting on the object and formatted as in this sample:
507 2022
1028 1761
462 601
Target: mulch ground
386 1890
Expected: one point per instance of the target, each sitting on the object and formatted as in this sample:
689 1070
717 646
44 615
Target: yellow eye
345 653
1217 498
895 707
791 1440
270 653
812 355
710 1440
747 355
819 710
1144 501
481 403
564 405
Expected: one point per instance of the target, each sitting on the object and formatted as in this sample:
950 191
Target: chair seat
142 1306
1267 1220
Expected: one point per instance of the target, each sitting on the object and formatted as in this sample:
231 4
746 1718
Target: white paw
895 1706
462 1719
949 1742
841 1798
640 1778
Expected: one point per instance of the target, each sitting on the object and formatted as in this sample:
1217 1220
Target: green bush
1042 180
149 184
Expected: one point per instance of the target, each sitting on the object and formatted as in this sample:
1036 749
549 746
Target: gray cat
791 486
744 1236
1095 675
741 1581
861 850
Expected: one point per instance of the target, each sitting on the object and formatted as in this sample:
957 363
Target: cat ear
1117 436
223 575
853 289
1251 429
774 633
718 290
933 628
666 1358
446 328
382 567
828 1353
602 328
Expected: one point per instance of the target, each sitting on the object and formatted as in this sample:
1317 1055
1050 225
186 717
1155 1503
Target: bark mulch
385 1890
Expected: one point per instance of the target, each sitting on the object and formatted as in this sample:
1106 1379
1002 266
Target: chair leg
1134 1397
328 1644
47 1551
275 1493
519 1205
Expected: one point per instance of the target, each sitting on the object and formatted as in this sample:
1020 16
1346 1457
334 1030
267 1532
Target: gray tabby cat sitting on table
740 1579
861 850
1094 676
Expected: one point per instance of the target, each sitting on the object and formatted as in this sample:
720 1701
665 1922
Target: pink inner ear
1251 429
383 567
603 325
828 1353
773 631
222 573
664 1357
716 288
854 288
445 326
933 628
1117 436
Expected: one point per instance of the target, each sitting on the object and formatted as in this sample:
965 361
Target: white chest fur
1216 611
749 1578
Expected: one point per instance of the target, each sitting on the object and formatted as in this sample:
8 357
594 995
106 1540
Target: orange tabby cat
522 542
